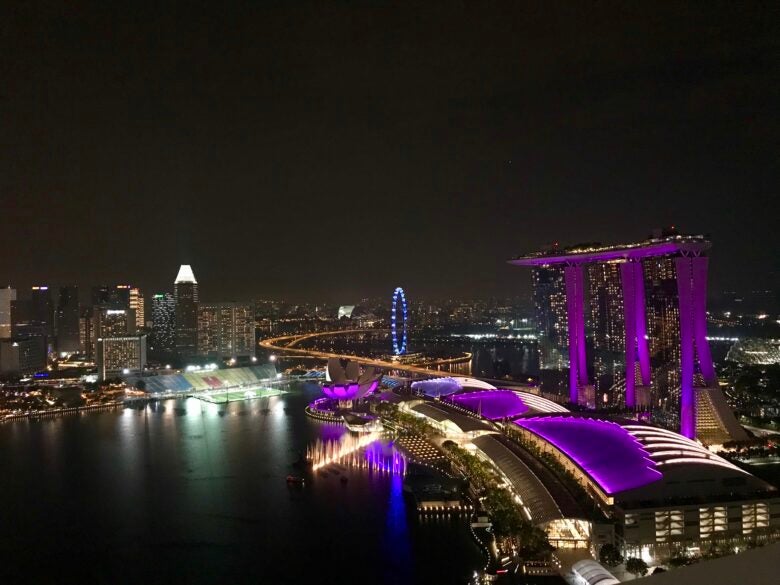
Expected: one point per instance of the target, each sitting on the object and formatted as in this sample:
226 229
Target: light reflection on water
185 491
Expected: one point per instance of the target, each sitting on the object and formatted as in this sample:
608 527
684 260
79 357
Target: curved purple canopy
604 450
492 404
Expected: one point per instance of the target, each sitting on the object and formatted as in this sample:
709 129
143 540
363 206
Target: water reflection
174 493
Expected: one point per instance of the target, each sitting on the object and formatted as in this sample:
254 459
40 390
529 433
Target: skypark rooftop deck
604 252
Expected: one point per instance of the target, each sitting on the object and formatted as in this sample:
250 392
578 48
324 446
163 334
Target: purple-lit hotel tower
647 299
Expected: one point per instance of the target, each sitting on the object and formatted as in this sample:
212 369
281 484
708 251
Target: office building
113 322
136 303
23 355
185 294
163 336
67 319
86 334
7 295
42 310
120 355
226 330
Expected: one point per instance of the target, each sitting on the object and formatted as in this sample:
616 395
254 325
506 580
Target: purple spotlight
604 450
492 404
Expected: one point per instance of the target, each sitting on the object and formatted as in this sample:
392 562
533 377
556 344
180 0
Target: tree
636 566
609 555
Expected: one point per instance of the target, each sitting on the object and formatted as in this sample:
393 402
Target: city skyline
492 287
460 146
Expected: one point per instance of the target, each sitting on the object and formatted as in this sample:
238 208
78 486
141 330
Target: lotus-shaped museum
345 382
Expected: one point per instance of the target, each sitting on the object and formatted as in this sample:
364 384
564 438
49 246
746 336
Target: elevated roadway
287 344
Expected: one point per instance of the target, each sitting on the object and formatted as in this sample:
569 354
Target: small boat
295 479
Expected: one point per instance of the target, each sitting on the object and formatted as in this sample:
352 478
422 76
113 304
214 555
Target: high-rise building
549 294
24 355
659 286
87 334
226 330
101 295
185 294
606 306
42 310
136 302
34 316
163 337
113 322
120 295
120 355
7 295
606 329
67 319
663 327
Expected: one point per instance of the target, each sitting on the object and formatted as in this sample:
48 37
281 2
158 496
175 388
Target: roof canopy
607 452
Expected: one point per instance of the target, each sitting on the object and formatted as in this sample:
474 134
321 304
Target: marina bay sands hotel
639 311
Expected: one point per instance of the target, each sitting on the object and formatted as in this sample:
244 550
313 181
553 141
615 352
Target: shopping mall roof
640 462
603 449
464 422
538 502
491 404
497 404
436 387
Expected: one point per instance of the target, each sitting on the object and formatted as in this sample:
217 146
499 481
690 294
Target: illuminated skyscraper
549 292
120 355
185 294
163 337
549 295
87 334
136 302
606 306
606 329
226 330
667 362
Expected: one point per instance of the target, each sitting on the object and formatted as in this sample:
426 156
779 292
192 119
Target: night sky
325 151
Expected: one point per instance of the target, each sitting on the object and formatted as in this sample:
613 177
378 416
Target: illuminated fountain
363 451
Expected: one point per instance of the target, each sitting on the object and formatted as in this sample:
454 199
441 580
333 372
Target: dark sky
327 151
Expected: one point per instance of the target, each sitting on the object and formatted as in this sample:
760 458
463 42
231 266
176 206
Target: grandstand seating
211 380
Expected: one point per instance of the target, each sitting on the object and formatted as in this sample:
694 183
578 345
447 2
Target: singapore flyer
396 315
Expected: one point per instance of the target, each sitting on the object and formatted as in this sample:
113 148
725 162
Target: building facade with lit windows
120 355
163 336
137 304
226 330
549 297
